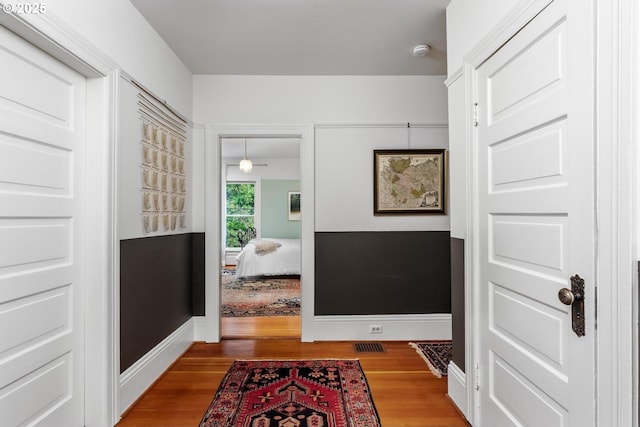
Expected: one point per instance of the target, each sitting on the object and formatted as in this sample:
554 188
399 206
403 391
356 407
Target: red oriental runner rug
293 393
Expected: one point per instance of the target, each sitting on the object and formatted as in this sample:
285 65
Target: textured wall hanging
164 188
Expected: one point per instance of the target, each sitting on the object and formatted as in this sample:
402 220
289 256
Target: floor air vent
368 347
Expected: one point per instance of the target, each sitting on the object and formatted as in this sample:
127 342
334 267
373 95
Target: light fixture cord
245 148
408 136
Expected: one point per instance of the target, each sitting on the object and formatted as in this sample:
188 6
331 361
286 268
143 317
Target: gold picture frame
409 182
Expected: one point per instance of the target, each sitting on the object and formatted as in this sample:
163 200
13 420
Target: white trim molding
199 328
616 122
58 39
142 374
457 387
454 77
405 327
213 135
380 125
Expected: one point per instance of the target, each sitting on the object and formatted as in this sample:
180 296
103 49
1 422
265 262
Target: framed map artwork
408 181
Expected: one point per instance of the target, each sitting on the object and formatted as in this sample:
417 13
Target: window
241 210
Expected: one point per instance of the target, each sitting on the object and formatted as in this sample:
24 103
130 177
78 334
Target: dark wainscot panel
156 290
379 273
457 302
197 273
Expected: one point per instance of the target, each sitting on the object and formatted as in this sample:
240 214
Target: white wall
468 21
457 159
319 99
117 29
197 176
343 156
344 177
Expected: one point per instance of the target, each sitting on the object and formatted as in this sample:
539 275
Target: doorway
260 244
215 177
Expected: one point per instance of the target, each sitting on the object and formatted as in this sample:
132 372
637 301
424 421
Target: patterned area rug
260 296
303 393
437 354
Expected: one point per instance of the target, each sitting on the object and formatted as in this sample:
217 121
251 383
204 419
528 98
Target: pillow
264 246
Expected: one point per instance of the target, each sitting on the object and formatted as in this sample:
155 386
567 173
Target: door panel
48 173
536 226
42 105
518 319
46 390
529 241
530 76
509 388
535 159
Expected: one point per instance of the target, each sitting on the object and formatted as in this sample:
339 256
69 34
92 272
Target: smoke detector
421 50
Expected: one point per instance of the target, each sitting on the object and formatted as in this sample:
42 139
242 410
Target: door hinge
477 379
475 114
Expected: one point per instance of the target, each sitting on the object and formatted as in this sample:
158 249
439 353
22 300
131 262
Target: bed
269 257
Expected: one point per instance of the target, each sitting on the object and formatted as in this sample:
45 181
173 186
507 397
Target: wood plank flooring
404 391
260 327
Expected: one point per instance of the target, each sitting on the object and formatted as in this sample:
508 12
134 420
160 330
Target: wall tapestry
164 187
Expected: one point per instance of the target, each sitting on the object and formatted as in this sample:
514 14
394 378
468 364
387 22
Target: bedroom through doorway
260 295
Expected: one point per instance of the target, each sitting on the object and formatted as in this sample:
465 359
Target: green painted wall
274 217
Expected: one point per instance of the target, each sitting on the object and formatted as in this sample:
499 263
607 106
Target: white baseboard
142 374
457 383
394 327
230 257
199 332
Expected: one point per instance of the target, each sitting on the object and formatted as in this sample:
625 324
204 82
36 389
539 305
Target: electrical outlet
375 329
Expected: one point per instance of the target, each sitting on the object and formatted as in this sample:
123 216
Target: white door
42 104
535 159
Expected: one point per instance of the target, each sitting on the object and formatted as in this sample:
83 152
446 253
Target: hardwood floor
405 392
260 327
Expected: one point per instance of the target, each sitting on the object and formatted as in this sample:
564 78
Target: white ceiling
302 37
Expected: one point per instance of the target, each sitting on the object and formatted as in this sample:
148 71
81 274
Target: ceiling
302 37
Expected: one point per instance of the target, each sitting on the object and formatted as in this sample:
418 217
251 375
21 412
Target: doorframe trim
617 121
101 334
213 182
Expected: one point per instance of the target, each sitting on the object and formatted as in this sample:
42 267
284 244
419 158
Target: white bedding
285 260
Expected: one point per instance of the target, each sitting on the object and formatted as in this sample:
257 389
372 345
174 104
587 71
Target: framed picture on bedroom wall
294 205
409 182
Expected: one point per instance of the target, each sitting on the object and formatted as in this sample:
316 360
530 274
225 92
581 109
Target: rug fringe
435 371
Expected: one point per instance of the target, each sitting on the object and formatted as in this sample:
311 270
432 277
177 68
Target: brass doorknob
566 296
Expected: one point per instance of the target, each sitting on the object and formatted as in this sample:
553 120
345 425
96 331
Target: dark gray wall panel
377 273
457 302
155 292
197 273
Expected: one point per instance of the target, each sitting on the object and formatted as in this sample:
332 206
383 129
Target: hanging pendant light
245 164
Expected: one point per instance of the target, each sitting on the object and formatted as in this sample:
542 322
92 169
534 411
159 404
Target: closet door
42 107
536 224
